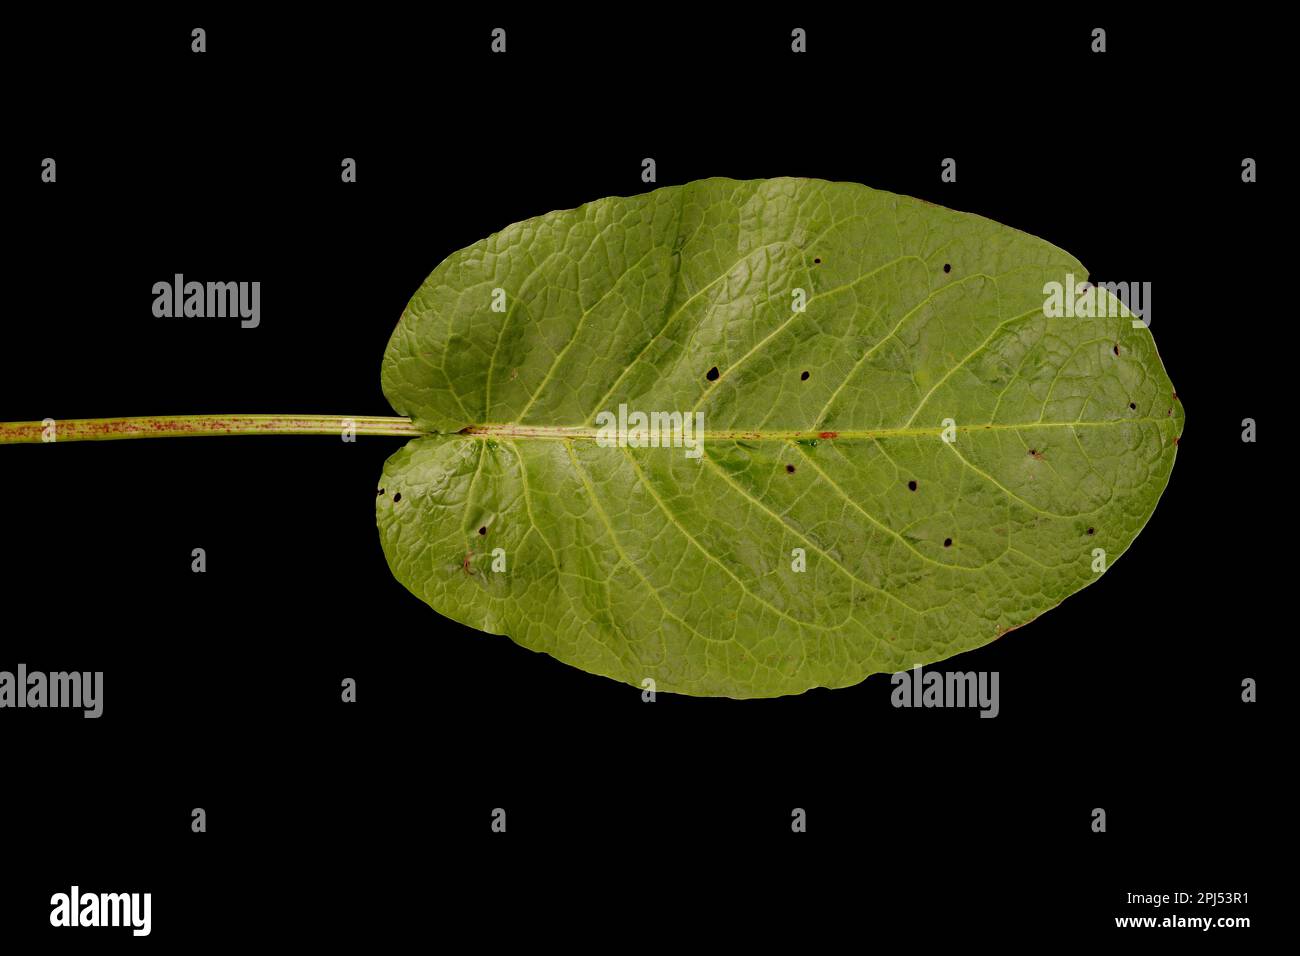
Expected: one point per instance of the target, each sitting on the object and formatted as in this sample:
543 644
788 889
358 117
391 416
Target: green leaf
640 563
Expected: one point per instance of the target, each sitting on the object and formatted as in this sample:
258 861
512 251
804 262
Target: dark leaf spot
790 468
803 377
911 486
817 261
947 267
1132 405
947 542
397 497
381 491
482 530
712 374
1092 531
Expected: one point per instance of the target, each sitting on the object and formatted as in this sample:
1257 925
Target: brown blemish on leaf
1035 454
1007 630
828 434
464 564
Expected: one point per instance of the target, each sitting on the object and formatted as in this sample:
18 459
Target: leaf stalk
185 426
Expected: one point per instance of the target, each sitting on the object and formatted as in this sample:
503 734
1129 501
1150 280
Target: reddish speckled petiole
182 426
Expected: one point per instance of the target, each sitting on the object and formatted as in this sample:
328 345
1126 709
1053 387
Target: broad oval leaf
828 530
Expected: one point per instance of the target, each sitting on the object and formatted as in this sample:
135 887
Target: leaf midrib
586 432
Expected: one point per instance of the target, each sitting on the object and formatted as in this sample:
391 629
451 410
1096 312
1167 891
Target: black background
329 822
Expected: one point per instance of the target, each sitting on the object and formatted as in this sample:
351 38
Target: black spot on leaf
712 374
397 497
1092 531
482 530
381 491
1117 348
790 468
911 486
1132 405
803 377
947 542
947 267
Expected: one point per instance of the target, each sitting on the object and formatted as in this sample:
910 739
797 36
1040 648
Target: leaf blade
638 563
